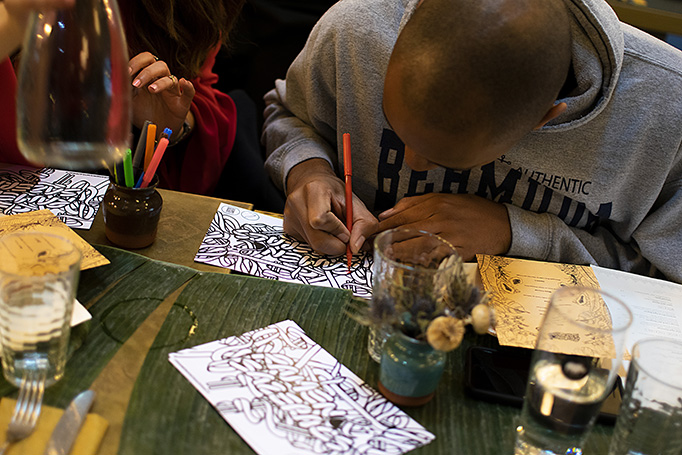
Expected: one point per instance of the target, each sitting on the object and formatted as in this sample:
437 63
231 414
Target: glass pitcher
74 94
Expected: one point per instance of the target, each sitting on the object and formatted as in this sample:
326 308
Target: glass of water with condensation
38 279
650 418
574 367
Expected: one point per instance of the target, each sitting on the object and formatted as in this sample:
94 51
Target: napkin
87 442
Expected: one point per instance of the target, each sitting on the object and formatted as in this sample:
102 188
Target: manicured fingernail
136 83
153 87
130 70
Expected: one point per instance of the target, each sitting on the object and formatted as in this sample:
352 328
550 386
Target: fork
27 410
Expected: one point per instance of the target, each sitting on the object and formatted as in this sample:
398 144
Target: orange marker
149 149
348 173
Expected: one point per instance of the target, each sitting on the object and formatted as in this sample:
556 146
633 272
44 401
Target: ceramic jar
131 215
410 370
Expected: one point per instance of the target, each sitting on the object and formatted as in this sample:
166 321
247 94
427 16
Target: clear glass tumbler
650 418
574 367
74 94
407 264
38 279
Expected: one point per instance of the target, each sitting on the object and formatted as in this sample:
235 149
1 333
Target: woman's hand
158 96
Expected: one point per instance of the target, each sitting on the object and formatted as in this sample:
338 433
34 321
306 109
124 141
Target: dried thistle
445 333
481 318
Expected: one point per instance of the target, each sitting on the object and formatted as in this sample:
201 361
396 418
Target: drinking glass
407 264
574 366
38 279
650 418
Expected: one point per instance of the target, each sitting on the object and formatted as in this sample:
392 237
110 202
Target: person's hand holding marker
315 210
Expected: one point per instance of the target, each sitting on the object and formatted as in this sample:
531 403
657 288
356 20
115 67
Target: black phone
500 375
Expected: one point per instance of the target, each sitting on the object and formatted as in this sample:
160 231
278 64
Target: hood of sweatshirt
598 49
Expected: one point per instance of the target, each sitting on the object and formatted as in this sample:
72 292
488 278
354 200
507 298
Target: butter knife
69 425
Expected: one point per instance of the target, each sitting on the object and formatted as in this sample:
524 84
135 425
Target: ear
551 114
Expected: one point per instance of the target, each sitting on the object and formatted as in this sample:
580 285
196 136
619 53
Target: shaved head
477 71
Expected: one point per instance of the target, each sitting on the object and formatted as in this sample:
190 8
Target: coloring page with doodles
284 394
255 244
73 197
521 290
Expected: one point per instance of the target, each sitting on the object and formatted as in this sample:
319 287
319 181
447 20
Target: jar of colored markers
131 215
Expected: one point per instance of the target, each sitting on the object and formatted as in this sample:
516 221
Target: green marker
128 169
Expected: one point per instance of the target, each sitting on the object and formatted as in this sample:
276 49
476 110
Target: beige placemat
45 221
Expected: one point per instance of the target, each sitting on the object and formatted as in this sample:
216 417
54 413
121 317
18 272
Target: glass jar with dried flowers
421 301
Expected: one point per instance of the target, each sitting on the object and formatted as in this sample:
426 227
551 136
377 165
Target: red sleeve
9 152
196 168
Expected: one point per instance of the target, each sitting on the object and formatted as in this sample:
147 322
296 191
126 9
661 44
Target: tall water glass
650 418
38 279
574 366
74 94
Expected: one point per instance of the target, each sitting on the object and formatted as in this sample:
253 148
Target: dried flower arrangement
437 314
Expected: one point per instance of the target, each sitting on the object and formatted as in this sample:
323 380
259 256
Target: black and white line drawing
284 394
254 243
73 197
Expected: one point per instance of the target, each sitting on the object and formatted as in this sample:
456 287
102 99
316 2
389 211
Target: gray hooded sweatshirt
600 184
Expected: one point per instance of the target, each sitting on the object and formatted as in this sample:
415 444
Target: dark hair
180 32
490 65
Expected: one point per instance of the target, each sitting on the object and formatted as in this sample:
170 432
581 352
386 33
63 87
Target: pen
128 169
348 173
156 159
149 147
141 146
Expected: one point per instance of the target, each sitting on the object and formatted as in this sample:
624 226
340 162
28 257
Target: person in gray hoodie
544 129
